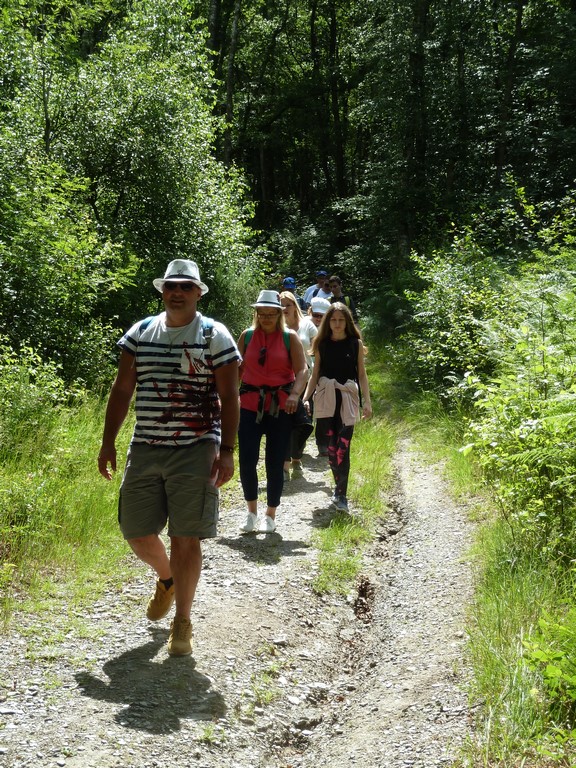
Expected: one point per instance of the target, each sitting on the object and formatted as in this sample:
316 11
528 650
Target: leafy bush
446 333
31 391
552 652
523 426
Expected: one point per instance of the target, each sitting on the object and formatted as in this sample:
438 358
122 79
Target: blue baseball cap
321 273
289 283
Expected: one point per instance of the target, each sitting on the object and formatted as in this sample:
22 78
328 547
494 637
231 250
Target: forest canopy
264 139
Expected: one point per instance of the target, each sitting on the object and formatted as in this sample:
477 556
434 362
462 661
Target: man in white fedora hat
184 369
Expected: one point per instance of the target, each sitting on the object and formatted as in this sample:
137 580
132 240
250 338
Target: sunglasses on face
262 356
186 287
317 316
267 315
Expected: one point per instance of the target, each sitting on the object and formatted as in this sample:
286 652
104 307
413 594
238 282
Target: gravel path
280 677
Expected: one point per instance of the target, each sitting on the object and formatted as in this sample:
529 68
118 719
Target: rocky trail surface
280 677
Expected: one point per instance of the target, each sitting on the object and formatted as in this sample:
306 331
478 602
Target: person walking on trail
302 426
335 284
321 287
337 382
317 310
274 374
289 284
184 369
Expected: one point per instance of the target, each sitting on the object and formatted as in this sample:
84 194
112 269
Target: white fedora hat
178 270
268 299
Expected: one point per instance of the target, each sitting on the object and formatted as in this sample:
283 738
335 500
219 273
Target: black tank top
339 359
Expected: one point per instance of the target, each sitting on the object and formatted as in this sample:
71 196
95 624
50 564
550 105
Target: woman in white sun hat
274 374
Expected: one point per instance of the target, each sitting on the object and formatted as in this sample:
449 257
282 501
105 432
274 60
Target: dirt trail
279 677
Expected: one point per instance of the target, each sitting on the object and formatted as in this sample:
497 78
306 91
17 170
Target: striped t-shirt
176 399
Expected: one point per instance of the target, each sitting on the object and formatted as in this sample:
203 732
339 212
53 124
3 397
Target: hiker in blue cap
289 284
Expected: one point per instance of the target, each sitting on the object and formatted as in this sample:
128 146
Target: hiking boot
180 640
341 503
160 604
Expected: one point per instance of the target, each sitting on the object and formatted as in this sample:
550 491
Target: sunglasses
267 315
317 315
262 356
186 287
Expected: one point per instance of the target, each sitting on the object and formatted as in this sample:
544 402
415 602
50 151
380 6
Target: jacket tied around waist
325 400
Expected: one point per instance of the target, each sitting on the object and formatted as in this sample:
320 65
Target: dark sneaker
341 503
297 470
160 604
180 640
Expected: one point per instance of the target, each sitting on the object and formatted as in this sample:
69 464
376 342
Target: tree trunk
506 87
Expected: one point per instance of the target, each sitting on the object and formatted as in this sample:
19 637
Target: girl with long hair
338 381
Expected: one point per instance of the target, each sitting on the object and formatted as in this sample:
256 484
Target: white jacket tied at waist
325 400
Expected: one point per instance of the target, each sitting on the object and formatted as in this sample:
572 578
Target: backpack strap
207 325
146 322
207 328
250 332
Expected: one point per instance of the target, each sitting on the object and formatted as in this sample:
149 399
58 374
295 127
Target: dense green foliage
367 129
107 173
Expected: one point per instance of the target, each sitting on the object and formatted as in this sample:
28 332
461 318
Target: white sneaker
268 525
250 524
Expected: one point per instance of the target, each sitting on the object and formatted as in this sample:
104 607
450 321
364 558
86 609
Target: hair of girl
292 299
324 330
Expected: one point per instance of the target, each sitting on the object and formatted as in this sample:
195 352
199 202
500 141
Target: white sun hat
268 299
178 270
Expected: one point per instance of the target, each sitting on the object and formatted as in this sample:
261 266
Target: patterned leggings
337 437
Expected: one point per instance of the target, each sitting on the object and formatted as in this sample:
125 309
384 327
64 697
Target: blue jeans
277 430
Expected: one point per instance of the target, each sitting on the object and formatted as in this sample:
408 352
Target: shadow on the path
298 485
156 695
323 516
265 548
